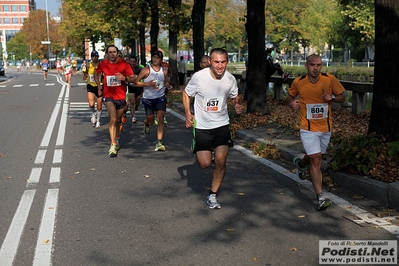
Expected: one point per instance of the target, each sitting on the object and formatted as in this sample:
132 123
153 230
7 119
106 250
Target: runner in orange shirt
313 95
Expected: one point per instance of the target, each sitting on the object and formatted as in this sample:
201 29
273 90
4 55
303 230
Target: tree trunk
173 33
256 77
198 17
384 118
144 8
154 28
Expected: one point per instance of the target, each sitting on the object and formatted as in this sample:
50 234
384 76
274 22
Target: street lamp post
48 33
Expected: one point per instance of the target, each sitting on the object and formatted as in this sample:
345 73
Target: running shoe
117 144
123 119
164 120
113 152
212 202
159 146
146 129
300 172
98 125
93 118
324 204
134 120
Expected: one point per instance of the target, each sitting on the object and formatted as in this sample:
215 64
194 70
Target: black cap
157 53
94 53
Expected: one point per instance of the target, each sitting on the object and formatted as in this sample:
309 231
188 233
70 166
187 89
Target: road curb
384 193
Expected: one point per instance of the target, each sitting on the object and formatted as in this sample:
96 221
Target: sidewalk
289 143
290 146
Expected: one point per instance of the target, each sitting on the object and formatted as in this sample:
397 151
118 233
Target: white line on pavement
46 232
41 154
34 176
11 241
50 125
63 121
57 156
55 175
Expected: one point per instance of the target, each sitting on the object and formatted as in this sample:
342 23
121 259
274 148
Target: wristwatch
332 97
127 78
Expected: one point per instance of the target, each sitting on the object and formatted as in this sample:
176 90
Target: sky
52 6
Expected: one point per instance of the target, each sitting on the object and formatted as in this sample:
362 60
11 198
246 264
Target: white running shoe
93 118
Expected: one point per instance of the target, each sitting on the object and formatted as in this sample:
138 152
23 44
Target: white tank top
159 77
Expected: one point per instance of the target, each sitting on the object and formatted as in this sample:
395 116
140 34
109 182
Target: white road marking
11 241
55 175
34 177
41 154
53 118
49 84
57 156
46 232
33 85
17 86
63 121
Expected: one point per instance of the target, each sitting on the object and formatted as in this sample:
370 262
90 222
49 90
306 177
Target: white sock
98 116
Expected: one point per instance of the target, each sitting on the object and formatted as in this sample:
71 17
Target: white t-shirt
211 97
159 76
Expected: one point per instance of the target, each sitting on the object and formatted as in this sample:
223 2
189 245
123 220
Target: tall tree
34 32
384 118
198 17
256 78
154 29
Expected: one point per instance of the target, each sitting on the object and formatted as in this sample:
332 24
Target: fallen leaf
240 194
76 173
255 259
146 176
70 176
230 229
301 216
293 249
93 169
9 177
379 215
45 241
123 171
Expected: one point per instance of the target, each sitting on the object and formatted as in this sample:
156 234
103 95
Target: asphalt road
65 202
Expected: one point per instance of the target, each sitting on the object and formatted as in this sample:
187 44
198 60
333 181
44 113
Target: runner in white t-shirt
212 87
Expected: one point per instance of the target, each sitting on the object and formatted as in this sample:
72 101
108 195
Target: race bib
91 78
213 104
317 111
112 81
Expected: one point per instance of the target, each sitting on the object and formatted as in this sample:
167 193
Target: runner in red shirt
116 73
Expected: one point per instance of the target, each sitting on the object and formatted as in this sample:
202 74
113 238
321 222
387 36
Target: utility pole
48 33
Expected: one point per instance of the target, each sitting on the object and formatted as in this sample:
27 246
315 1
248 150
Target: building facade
12 16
